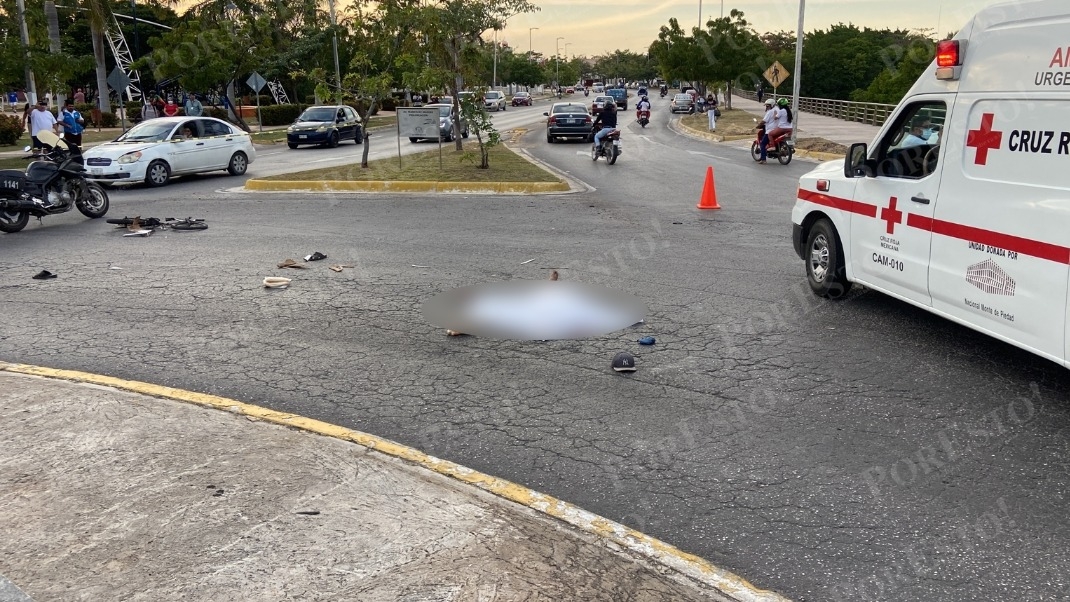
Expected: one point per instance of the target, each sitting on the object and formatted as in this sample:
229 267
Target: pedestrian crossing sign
776 74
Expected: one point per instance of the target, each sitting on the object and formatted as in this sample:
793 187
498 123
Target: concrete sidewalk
113 490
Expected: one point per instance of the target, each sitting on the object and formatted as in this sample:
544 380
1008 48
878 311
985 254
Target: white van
961 205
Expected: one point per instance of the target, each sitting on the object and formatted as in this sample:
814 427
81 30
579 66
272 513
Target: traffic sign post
257 83
776 74
118 81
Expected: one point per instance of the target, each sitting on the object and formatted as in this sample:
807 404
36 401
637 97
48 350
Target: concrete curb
615 535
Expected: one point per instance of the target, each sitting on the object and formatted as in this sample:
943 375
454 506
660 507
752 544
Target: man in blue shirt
72 123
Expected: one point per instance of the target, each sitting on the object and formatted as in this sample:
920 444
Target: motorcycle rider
608 118
784 120
770 121
642 105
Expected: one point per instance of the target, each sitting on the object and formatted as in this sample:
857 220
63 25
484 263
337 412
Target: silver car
494 100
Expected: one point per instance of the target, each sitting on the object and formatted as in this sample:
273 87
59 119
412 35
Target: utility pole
530 49
494 76
31 84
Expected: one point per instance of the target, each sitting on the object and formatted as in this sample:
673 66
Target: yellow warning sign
776 74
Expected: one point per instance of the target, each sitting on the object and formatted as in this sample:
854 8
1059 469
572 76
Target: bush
133 112
10 129
280 114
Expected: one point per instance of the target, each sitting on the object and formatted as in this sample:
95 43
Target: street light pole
494 75
557 63
797 81
530 49
337 70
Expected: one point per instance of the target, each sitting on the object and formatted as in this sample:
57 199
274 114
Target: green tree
454 30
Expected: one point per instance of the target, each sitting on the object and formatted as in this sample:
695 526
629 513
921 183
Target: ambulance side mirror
856 165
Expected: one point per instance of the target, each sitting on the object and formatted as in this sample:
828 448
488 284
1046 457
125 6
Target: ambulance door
1000 245
890 234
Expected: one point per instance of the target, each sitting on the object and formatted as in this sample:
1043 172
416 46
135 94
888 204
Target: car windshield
683 97
444 112
569 109
604 99
147 131
318 114
520 95
493 94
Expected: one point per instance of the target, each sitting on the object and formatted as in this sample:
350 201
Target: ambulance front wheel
824 262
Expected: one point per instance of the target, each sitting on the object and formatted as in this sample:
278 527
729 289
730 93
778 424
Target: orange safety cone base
709 192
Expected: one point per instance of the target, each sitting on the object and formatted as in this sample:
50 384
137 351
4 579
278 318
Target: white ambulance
961 205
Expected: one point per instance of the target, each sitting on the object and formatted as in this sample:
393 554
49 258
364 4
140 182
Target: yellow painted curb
400 186
687 564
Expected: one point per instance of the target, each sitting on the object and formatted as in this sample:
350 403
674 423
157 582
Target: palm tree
99 14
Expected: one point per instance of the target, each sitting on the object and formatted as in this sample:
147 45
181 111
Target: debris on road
273 282
315 256
646 341
292 263
43 275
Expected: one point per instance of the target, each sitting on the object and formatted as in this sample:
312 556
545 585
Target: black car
568 119
326 125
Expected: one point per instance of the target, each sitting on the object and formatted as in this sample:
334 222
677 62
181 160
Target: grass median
456 166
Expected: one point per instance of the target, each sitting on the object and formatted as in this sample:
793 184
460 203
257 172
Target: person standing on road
760 91
41 119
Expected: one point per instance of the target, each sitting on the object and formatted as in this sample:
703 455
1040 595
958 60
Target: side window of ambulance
911 147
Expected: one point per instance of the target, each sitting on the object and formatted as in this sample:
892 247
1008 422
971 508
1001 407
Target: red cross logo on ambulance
984 139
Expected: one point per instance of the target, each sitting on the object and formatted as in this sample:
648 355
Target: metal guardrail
870 113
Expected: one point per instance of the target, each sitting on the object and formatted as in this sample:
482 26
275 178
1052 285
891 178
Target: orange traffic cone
709 192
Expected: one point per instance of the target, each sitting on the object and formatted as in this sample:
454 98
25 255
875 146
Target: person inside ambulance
917 135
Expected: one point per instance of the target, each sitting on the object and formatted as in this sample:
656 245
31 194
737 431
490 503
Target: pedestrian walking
760 91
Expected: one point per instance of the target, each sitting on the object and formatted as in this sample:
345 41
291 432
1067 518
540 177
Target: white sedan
154 150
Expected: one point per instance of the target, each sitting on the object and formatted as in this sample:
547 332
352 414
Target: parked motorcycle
49 187
610 146
644 117
780 149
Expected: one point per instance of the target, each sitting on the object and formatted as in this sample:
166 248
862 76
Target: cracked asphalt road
854 450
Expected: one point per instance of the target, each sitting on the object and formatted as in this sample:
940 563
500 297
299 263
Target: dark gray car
568 119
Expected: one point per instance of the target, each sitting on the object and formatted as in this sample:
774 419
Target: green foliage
479 123
280 114
10 129
893 83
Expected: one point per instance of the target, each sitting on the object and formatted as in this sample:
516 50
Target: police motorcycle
610 146
49 187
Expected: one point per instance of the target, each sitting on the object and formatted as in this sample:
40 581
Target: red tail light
948 53
553 120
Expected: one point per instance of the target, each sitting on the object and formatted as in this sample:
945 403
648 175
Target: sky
596 27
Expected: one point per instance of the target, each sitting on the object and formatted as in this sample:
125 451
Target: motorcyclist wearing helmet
642 105
770 121
784 119
607 117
